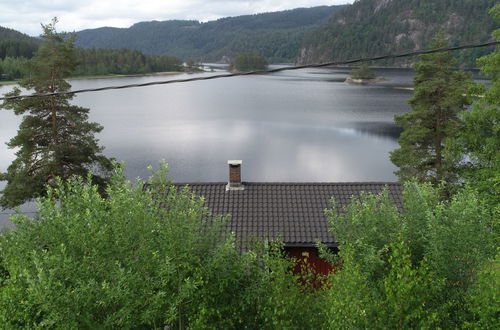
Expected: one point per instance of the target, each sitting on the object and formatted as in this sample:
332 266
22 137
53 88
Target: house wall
310 257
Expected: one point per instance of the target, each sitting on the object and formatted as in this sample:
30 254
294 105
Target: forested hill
277 36
16 44
16 50
377 27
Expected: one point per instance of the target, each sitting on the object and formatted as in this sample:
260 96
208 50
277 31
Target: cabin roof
294 212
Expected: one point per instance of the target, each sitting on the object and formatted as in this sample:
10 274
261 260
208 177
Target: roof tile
292 211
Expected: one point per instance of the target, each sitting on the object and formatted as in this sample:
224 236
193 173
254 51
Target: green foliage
400 298
124 261
288 300
371 225
122 61
372 27
440 94
156 257
407 292
479 136
363 72
413 268
350 298
248 62
143 258
16 48
485 297
54 138
460 238
16 44
10 48
14 68
277 36
192 66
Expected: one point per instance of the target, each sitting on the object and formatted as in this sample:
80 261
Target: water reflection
271 151
305 125
388 130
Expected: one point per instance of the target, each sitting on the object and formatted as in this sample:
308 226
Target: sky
75 15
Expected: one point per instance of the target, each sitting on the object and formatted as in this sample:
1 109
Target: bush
135 259
156 258
142 258
485 297
412 268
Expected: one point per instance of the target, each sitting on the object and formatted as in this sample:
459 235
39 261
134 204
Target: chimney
234 175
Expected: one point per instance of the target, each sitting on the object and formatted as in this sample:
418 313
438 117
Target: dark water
305 125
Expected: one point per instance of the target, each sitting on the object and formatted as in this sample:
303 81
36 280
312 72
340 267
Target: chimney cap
235 162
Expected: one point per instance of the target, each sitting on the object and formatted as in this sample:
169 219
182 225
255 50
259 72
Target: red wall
309 256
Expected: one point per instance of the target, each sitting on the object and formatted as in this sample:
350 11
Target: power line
235 74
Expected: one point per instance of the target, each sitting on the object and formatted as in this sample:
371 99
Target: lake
305 125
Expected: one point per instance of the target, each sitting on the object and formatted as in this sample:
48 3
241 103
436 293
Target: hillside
376 27
16 44
17 48
277 36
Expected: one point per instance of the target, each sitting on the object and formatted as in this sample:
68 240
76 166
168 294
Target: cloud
75 15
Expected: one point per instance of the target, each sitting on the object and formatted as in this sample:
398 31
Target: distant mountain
16 44
377 27
276 36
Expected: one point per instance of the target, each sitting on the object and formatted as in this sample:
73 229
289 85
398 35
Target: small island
248 62
363 75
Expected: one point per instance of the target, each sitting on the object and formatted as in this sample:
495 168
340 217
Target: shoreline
364 81
165 73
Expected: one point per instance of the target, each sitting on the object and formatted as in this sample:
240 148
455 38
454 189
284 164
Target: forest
303 35
320 34
373 27
16 44
17 49
123 61
276 36
92 62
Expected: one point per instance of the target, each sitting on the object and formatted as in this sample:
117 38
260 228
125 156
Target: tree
249 62
440 94
479 137
54 138
363 72
412 268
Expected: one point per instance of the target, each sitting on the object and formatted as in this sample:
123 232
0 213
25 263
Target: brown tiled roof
293 212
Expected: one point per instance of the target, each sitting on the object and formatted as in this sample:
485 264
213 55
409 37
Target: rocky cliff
377 27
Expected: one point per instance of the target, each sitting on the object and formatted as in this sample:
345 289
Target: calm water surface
293 126
305 125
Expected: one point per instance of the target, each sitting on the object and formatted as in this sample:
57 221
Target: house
293 212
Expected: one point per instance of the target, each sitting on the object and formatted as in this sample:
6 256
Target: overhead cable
260 72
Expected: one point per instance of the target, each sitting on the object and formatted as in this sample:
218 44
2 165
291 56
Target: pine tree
54 138
440 94
363 72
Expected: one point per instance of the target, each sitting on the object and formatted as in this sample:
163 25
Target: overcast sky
75 15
